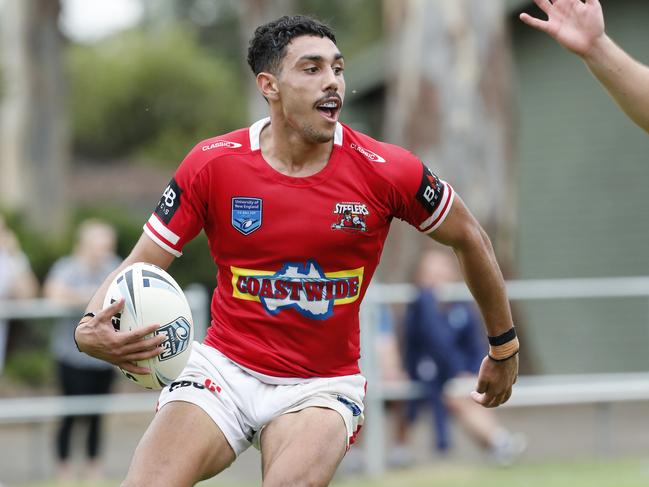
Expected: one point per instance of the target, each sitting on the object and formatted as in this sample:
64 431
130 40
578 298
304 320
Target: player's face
312 87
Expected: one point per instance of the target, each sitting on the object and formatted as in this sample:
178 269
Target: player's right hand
575 25
99 339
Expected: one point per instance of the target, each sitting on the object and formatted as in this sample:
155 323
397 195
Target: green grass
594 473
591 474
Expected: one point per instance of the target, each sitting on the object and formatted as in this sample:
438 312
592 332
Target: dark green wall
583 199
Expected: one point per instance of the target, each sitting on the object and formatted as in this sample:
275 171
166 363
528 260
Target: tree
253 13
448 100
34 148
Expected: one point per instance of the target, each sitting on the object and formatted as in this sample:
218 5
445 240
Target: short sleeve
180 214
422 198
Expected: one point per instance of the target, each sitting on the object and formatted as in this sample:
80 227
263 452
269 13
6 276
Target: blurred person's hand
495 381
97 337
575 25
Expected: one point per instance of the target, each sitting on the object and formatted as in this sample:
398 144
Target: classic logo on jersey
169 202
430 190
350 217
221 143
246 214
372 156
303 287
177 338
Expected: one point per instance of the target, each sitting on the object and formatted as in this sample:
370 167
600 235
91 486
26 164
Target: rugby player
279 366
579 27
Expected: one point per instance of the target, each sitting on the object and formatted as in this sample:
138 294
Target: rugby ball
151 295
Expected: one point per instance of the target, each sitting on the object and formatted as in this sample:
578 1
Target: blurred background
102 99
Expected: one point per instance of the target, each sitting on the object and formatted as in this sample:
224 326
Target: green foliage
196 264
356 23
33 367
150 95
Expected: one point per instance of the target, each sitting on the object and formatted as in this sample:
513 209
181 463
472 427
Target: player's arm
96 336
465 236
579 27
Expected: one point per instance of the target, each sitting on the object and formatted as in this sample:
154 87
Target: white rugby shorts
241 402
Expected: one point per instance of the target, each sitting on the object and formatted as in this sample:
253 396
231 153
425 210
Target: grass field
620 473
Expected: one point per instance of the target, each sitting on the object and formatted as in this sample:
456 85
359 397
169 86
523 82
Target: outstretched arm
473 249
579 27
96 336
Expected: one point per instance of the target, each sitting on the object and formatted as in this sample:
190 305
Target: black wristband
508 336
502 359
89 314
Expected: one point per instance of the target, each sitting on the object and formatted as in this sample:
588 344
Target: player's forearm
626 80
485 281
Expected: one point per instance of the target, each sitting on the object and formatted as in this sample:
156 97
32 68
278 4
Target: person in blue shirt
443 341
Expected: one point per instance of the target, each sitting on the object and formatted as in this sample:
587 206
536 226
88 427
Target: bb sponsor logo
430 190
169 202
304 287
221 143
246 214
350 217
372 156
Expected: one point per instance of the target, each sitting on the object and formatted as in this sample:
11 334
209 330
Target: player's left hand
575 24
495 381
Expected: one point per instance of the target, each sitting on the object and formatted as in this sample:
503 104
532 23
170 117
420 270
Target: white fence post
374 428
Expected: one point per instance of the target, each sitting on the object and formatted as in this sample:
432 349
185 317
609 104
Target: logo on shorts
350 217
352 406
207 384
177 338
246 214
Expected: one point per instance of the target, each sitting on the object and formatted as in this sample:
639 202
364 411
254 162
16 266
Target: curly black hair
268 46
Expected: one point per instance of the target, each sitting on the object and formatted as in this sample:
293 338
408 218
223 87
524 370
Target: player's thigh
303 448
181 446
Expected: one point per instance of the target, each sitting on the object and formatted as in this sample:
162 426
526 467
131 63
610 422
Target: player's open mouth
330 108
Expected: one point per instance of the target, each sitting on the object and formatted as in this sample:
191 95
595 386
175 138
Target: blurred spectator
72 281
444 341
17 280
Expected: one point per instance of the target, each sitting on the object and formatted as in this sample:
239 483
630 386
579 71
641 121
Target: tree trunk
253 13
34 145
449 101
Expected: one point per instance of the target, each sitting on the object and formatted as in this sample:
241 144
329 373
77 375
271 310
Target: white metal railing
529 391
32 309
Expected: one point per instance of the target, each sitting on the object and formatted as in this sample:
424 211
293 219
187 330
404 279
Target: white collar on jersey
258 126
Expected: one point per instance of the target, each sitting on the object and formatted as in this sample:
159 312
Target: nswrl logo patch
246 214
177 338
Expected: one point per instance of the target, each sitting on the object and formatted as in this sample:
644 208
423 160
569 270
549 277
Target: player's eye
338 70
311 69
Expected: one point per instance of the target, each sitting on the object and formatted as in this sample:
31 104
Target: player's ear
267 84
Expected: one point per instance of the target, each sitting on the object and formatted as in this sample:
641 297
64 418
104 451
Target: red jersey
294 254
